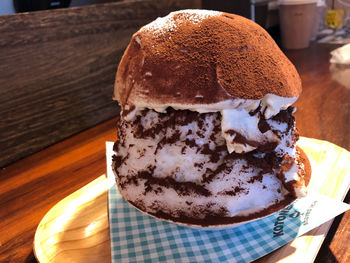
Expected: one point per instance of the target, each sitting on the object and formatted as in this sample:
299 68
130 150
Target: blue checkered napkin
137 237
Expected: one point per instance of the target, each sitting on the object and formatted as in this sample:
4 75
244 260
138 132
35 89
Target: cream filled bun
207 134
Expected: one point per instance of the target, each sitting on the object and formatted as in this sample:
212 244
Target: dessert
207 135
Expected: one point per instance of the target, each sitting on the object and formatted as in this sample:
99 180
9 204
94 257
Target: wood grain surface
76 229
31 186
57 69
323 109
323 112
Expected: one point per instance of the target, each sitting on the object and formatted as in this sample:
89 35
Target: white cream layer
235 116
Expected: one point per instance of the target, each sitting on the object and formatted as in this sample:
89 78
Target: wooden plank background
57 69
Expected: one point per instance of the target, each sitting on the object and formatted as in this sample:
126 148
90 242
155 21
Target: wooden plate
76 229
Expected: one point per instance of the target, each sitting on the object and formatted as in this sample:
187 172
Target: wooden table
31 186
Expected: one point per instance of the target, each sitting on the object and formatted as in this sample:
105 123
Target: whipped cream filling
238 122
271 105
235 117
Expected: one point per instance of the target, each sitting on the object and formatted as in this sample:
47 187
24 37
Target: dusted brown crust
223 56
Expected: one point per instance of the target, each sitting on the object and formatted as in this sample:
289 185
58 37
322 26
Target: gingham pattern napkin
136 237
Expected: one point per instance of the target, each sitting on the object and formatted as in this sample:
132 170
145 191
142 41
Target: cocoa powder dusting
232 192
221 57
219 218
154 184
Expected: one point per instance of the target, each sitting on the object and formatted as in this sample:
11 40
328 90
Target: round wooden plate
76 229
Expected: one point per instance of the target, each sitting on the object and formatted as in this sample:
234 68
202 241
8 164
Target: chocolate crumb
258 177
233 192
263 125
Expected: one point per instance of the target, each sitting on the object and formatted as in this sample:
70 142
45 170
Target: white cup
297 18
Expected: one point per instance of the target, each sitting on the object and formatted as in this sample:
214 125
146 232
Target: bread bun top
203 57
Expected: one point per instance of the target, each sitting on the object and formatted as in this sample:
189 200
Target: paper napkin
341 55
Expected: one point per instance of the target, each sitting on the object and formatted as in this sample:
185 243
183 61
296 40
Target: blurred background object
257 10
297 18
336 26
319 18
6 7
343 5
36 5
334 18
